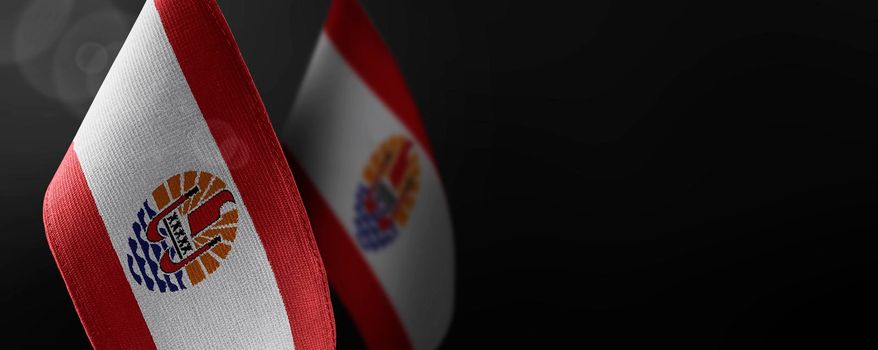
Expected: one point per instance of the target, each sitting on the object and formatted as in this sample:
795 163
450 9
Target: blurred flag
174 217
370 183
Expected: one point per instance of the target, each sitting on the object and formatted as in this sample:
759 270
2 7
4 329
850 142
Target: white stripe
144 127
335 126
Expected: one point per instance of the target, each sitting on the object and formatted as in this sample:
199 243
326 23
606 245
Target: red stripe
228 99
354 36
81 245
350 274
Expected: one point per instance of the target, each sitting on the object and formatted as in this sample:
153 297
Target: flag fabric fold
174 218
370 182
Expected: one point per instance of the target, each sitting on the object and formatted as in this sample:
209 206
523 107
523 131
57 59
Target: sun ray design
173 251
385 198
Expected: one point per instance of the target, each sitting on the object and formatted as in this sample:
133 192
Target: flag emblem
174 166
182 232
387 192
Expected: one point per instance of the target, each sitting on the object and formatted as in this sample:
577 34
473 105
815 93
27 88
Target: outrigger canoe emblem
199 219
182 241
386 195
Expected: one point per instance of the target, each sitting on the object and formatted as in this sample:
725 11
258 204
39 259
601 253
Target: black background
695 174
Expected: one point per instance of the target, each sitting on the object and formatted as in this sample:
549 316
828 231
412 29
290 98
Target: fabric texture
174 218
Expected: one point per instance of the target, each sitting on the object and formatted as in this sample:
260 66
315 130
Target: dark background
694 174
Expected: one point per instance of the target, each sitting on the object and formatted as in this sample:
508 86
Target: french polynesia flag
174 217
371 187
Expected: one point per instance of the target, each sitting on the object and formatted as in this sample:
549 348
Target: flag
174 218
370 183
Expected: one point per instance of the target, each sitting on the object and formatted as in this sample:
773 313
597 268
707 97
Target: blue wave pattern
144 256
369 235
